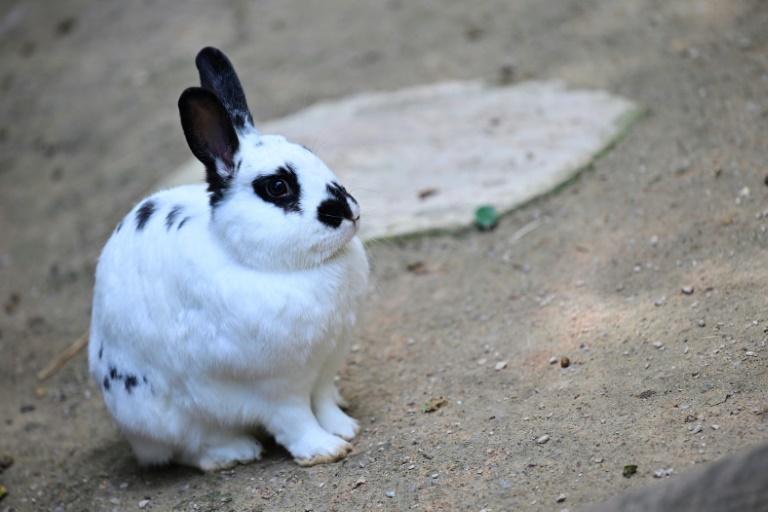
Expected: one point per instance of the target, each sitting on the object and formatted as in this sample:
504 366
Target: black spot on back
144 212
112 372
183 221
106 383
130 382
334 210
119 227
101 351
172 215
289 203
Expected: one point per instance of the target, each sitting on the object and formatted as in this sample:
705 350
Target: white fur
238 319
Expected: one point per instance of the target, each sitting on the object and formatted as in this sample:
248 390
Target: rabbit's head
274 204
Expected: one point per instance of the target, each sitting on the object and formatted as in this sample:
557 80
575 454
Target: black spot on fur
119 227
215 196
280 188
183 221
172 215
144 378
130 382
333 211
101 351
143 214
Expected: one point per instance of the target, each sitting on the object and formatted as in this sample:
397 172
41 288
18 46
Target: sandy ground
594 272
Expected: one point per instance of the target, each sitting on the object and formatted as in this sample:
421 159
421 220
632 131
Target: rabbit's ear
218 76
210 135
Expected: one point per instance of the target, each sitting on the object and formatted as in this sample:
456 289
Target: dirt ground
648 271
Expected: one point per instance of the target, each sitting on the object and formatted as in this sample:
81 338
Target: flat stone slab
425 158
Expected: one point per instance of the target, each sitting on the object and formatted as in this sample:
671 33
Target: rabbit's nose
337 208
354 210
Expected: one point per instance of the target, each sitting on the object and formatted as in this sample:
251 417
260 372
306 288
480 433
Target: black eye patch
280 188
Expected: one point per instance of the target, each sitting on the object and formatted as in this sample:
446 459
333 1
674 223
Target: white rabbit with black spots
223 307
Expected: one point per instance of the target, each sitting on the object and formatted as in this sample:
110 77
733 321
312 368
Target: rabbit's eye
278 188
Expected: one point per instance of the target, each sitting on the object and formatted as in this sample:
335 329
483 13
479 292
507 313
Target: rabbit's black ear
218 76
210 135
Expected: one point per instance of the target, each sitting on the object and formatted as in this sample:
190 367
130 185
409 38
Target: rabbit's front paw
319 448
336 422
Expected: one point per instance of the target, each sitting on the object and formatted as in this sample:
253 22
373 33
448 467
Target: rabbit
227 307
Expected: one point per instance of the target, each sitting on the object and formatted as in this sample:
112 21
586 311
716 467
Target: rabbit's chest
294 315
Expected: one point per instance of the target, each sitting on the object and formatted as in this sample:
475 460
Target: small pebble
687 290
697 429
114 501
657 344
701 323
749 353
390 494
501 365
543 439
482 361
715 426
597 460
565 362
685 350
629 470
658 473
561 497
143 503
552 360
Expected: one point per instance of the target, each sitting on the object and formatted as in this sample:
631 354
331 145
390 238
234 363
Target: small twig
727 396
520 233
65 356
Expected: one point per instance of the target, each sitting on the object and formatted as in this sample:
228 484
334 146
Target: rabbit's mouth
337 243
